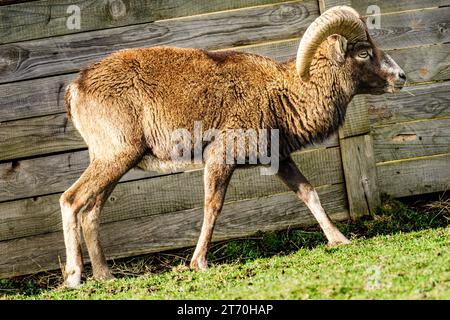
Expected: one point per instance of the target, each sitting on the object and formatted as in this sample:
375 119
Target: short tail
68 100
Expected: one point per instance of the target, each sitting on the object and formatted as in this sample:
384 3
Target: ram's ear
340 47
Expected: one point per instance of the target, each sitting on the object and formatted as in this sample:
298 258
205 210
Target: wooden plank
50 174
33 98
158 195
426 63
360 175
385 6
425 101
48 18
407 28
415 176
45 96
281 51
64 54
356 118
32 177
41 135
413 28
38 97
25 142
6 2
55 56
173 230
411 139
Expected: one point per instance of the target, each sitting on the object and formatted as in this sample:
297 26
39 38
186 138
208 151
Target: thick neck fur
311 111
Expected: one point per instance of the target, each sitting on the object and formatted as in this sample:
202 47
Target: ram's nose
400 80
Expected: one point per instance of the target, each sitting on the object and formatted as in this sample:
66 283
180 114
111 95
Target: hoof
104 275
199 265
338 242
73 277
73 281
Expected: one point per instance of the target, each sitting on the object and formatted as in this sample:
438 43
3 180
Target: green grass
401 252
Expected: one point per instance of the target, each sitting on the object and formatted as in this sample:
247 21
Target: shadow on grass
391 217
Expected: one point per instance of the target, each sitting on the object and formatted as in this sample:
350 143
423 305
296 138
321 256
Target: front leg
216 179
293 178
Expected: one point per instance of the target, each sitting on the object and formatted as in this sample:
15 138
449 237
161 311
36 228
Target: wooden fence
397 144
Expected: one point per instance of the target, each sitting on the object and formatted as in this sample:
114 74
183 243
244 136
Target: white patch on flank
150 163
73 88
73 97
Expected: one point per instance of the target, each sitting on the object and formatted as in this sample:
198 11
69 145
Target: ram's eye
363 54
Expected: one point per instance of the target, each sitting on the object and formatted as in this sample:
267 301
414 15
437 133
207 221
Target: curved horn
342 20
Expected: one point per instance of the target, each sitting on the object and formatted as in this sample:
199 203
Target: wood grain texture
360 175
48 18
40 135
385 6
37 58
425 101
56 173
413 28
425 63
49 174
173 230
44 96
33 98
23 138
411 139
356 118
64 54
162 194
7 2
414 176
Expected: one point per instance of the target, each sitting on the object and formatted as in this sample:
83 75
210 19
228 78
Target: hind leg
90 221
88 195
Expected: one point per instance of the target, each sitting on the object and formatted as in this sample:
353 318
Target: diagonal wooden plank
48 18
44 96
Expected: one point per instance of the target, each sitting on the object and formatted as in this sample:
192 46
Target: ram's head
350 47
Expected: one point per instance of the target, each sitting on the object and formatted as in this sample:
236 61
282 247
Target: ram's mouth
394 89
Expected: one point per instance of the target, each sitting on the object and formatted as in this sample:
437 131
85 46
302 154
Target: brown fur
223 90
126 106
